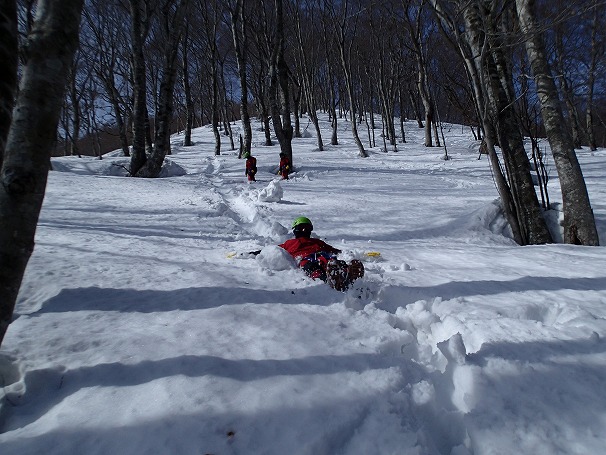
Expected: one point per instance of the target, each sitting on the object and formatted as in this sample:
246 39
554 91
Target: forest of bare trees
351 59
145 69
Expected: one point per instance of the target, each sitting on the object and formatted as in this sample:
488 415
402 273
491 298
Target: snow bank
117 167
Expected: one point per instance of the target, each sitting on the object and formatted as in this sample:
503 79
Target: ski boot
340 275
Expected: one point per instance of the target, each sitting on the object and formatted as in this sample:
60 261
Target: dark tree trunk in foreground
579 223
279 92
138 155
51 46
173 29
238 27
597 48
8 77
189 102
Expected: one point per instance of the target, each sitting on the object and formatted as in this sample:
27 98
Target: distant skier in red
251 166
284 166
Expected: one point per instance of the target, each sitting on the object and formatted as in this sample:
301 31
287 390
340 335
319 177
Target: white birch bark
51 45
579 222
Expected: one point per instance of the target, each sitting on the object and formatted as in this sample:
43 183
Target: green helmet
245 154
301 220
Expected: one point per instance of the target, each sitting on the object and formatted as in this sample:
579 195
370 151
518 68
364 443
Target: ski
242 254
247 254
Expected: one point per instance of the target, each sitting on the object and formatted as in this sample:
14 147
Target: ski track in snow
437 416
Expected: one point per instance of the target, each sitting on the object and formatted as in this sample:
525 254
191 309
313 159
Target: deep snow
135 333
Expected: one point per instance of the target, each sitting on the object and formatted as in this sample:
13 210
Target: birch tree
596 53
477 38
279 92
51 44
239 32
139 29
417 29
8 77
307 53
343 34
172 26
579 223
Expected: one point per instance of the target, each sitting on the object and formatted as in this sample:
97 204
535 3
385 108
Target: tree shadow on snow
292 427
48 387
393 297
541 386
151 301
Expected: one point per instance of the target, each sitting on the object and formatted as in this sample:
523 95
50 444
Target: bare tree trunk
307 80
225 108
596 49
345 54
105 70
401 102
238 27
296 101
189 103
172 15
51 46
215 101
474 64
330 82
500 93
334 137
415 28
8 77
138 155
149 142
74 96
279 87
579 222
488 76
415 105
568 93
211 24
120 124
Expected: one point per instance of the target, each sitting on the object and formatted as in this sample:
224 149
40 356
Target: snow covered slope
136 334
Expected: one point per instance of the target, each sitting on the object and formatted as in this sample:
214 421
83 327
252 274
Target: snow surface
135 333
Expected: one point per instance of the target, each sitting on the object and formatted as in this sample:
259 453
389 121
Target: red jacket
284 165
251 165
301 247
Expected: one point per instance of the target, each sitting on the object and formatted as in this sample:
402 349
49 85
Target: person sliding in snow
318 259
251 166
284 166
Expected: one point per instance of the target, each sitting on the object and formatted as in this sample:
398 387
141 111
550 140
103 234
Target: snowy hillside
137 333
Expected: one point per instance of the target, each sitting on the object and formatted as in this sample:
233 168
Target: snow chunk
422 393
454 349
272 192
171 169
275 258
